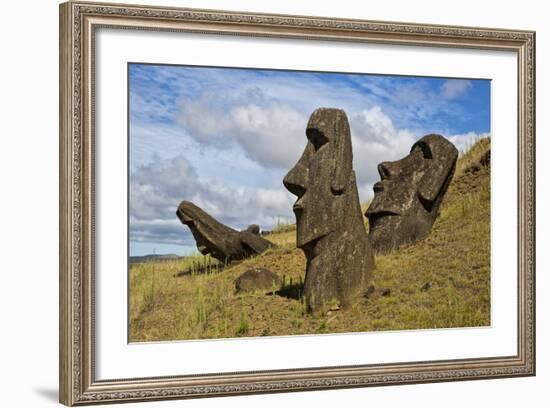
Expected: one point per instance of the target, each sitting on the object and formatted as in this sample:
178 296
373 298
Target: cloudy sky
224 138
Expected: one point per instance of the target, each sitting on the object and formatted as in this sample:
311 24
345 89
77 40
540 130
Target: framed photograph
255 203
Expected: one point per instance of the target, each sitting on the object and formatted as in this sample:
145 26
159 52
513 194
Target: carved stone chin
329 225
409 193
221 242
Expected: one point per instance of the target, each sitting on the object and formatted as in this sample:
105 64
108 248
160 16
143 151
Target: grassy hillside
443 281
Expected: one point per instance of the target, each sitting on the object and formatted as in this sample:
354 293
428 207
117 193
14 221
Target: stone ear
342 159
439 171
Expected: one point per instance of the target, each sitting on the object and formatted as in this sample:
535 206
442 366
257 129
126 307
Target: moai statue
407 199
214 238
330 228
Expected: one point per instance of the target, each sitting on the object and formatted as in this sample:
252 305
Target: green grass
166 304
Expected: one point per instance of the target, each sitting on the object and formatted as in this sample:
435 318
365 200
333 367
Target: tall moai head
322 176
329 224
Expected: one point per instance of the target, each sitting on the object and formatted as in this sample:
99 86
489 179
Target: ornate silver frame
78 22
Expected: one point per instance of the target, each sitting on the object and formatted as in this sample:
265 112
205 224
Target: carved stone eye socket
426 151
317 138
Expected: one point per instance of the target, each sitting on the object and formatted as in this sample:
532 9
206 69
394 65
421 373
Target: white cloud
454 88
375 138
264 130
374 126
464 141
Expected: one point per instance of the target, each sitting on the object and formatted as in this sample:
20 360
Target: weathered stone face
329 224
214 238
407 198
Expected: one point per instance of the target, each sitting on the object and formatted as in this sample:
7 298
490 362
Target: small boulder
258 279
369 291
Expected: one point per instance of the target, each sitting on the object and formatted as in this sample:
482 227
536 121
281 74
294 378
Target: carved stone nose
294 184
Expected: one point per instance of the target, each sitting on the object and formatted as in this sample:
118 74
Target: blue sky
224 138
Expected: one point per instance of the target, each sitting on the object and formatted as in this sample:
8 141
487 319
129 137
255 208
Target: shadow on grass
201 270
292 291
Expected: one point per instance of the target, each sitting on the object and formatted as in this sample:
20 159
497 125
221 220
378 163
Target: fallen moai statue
220 241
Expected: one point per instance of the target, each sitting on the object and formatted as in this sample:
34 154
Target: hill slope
443 281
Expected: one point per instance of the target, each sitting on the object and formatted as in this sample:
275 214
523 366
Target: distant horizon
159 255
224 138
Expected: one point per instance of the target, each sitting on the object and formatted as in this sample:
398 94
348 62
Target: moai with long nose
330 228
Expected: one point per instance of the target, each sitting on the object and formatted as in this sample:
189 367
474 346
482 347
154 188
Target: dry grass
443 281
473 155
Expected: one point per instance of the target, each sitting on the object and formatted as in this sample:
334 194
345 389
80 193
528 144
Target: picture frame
79 24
